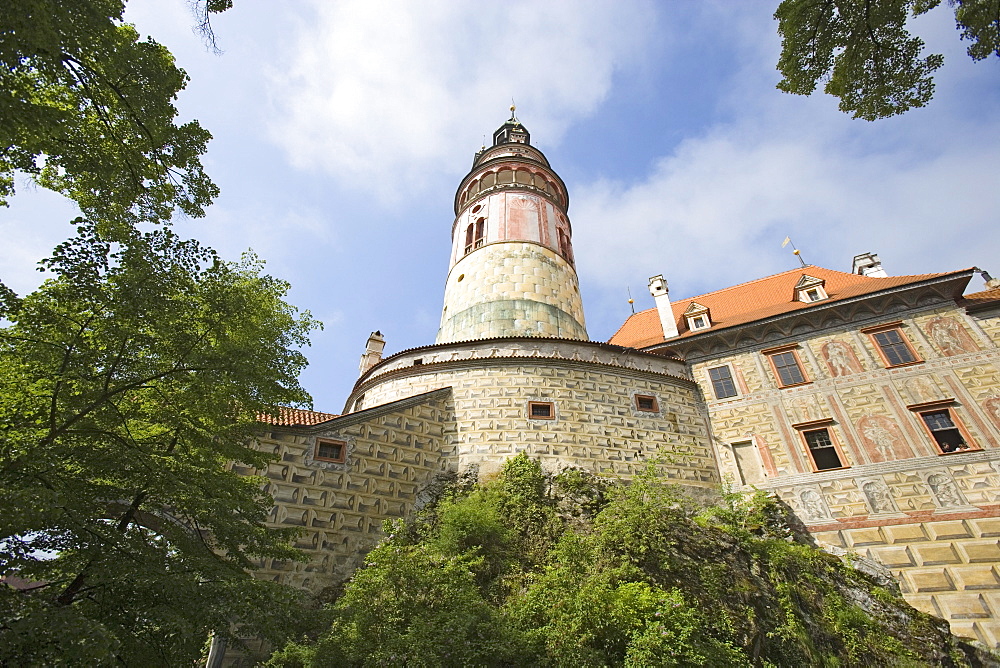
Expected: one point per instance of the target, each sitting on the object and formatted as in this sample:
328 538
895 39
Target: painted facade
822 386
849 443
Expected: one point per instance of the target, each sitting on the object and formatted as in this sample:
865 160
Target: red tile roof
763 298
982 298
294 417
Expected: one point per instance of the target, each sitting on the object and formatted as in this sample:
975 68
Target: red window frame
339 457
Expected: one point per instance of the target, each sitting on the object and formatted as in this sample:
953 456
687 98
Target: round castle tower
512 361
511 270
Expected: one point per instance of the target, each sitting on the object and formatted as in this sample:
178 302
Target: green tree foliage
128 382
865 54
87 109
569 570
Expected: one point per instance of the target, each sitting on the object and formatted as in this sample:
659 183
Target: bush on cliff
570 570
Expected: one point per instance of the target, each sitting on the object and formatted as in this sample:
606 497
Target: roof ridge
816 266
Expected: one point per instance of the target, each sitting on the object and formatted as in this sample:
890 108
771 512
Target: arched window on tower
474 234
565 248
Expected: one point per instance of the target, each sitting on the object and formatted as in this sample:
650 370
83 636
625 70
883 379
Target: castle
869 403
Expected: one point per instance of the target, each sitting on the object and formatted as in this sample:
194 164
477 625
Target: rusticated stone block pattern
512 289
595 422
392 453
990 325
946 567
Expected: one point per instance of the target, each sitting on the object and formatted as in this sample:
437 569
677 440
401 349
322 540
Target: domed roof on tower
512 131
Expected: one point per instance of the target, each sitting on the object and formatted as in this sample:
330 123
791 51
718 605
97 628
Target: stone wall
512 289
393 453
596 423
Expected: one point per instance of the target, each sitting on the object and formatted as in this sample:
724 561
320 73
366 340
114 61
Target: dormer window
810 289
697 317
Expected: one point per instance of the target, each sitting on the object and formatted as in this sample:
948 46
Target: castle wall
596 424
392 454
933 518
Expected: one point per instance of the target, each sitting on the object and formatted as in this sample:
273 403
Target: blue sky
343 128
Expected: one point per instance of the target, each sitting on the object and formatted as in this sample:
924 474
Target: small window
722 382
945 431
418 361
822 449
787 368
474 235
810 289
330 451
470 232
541 410
359 401
565 248
698 316
892 346
644 402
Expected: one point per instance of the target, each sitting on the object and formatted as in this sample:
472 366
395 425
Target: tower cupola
511 131
512 269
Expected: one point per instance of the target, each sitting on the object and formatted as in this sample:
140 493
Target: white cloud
381 93
716 211
918 189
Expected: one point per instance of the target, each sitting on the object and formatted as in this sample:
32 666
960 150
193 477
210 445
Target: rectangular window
786 366
541 410
944 430
330 451
646 403
722 382
822 449
892 346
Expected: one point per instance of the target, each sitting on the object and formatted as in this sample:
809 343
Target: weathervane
795 251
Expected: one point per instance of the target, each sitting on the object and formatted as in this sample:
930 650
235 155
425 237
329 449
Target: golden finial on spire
513 108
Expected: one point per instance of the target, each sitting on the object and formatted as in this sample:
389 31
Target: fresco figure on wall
944 489
950 337
882 438
992 408
840 358
878 496
813 506
805 408
922 389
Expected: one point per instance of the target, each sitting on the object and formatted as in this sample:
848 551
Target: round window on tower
477 208
460 277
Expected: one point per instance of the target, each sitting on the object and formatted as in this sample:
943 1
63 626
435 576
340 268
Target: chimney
373 352
868 264
658 288
990 282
